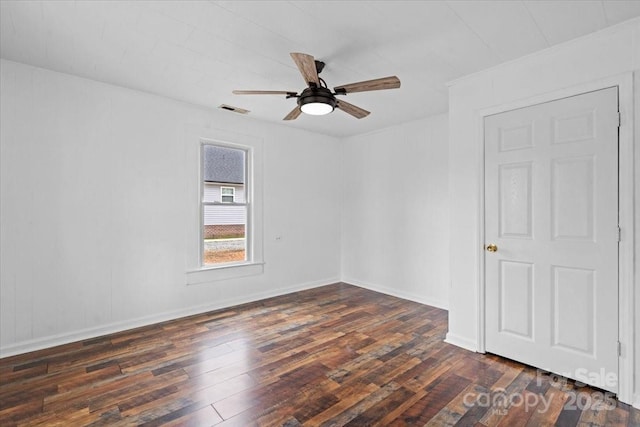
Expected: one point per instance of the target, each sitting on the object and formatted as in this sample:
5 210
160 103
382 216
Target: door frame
626 297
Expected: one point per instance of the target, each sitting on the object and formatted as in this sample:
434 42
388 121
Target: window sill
224 272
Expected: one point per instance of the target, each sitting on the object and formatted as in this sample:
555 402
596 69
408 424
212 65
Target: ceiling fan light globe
317 108
316 101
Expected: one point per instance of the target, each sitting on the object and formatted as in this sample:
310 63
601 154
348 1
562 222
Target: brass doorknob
492 248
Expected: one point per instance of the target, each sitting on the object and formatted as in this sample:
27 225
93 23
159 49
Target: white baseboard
399 294
459 341
110 328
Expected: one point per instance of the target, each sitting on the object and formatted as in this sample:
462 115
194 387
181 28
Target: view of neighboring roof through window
224 164
224 205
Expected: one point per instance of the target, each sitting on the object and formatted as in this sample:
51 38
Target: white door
551 229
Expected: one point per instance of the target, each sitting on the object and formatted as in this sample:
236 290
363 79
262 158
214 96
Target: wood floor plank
547 415
505 396
439 394
55 402
226 361
349 397
334 355
518 413
453 412
619 417
111 396
594 417
379 409
202 417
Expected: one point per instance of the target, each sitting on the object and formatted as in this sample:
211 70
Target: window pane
224 227
227 194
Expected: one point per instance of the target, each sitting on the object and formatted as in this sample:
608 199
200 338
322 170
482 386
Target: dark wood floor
332 356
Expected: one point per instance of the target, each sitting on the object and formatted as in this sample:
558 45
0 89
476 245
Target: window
204 194
227 194
224 207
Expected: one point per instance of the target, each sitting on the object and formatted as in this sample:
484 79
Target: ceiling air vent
234 109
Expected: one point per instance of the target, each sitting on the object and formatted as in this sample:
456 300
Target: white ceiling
199 51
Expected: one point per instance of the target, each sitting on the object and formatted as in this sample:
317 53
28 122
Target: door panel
573 329
515 210
516 288
551 208
516 138
573 127
572 198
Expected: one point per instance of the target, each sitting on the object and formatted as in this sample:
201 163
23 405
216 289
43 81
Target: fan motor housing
317 94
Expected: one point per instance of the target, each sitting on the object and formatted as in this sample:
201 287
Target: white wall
94 209
607 53
395 211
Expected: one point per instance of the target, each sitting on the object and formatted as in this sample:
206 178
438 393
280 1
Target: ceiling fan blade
391 82
264 92
307 66
293 114
356 112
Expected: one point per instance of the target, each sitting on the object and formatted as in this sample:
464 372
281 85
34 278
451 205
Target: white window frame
196 272
233 191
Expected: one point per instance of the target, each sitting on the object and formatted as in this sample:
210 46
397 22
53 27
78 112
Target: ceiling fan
317 99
